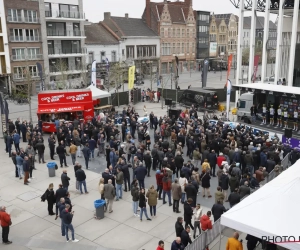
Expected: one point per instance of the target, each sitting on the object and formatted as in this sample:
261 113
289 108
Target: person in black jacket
185 237
148 162
179 227
212 159
224 181
60 193
217 210
50 197
126 173
80 177
234 198
191 192
252 241
52 142
67 218
188 213
60 150
65 179
142 204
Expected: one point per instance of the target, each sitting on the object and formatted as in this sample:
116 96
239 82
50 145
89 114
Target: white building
63 36
5 69
123 39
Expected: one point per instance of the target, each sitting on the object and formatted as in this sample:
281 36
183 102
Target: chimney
148 13
126 15
106 15
188 3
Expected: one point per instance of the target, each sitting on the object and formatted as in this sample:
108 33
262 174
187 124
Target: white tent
270 211
98 93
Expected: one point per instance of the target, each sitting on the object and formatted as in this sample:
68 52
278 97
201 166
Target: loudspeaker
174 112
168 102
288 133
247 120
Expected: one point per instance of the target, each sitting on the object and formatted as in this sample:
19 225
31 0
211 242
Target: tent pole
220 235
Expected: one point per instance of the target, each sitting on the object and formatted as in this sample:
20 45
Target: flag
256 61
228 92
131 73
107 64
94 73
229 67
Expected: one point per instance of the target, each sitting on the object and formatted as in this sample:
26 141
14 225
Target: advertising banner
213 49
131 72
64 97
294 143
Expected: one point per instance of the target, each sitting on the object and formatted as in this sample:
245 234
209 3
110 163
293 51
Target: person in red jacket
220 159
5 223
205 221
159 176
161 245
167 186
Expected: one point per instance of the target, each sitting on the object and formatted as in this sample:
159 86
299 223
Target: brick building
25 43
175 22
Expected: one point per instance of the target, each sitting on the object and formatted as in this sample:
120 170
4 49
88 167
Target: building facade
138 44
202 43
175 22
64 42
223 34
23 27
5 69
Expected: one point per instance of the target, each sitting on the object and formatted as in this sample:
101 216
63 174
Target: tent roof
270 211
98 93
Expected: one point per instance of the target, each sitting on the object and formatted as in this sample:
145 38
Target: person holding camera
67 218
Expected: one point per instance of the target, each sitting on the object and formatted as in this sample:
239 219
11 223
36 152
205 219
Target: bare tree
61 66
84 72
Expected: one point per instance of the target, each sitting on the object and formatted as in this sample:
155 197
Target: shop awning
55 109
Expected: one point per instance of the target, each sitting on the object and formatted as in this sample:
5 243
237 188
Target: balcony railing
24 38
26 57
65 33
14 19
63 51
57 69
74 15
48 13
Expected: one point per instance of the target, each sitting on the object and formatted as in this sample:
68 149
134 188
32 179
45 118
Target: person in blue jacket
177 245
92 146
16 139
112 157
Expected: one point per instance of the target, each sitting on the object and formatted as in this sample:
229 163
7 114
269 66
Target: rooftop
96 33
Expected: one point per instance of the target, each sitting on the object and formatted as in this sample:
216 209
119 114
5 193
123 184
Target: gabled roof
226 17
96 33
260 20
129 26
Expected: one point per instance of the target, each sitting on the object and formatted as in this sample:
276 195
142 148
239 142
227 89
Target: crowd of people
238 158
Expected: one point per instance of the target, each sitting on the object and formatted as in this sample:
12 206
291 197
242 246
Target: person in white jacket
197 214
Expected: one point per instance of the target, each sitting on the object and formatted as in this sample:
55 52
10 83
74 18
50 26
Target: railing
74 15
18 19
24 38
207 237
26 57
53 51
65 33
48 13
31 20
54 69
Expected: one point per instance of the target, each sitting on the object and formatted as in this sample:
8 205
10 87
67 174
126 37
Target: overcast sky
94 9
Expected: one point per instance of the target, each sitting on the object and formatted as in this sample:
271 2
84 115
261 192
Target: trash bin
51 168
99 205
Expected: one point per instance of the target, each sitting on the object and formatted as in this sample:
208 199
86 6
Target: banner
213 49
228 91
294 143
94 73
229 66
256 61
131 72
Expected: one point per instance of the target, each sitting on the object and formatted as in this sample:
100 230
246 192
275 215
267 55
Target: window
169 32
203 29
166 49
16 35
213 28
32 35
174 33
30 16
51 47
91 57
20 72
174 48
178 32
146 51
129 52
182 48
102 57
76 30
222 28
56 29
14 15
178 48
242 104
113 56
68 11
123 52
203 40
70 47
188 33
48 11
183 32
204 18
162 32
18 54
33 53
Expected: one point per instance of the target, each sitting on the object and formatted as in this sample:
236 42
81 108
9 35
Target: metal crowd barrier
207 237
